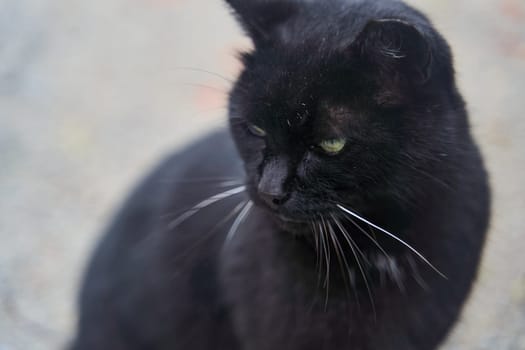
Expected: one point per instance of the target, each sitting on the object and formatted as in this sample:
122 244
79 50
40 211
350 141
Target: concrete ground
93 93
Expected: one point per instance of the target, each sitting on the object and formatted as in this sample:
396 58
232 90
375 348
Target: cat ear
397 46
261 18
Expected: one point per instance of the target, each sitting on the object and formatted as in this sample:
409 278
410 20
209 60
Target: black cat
354 218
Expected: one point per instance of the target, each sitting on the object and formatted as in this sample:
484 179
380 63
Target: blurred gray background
93 93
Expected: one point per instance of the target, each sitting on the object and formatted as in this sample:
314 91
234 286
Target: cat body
346 208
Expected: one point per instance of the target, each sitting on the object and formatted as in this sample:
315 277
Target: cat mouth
292 220
302 221
292 225
288 216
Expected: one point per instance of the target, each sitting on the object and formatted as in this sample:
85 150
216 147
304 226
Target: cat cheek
301 172
303 168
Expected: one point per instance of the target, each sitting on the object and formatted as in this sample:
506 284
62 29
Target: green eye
333 146
257 131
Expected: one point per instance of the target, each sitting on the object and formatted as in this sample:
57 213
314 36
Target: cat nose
273 200
271 185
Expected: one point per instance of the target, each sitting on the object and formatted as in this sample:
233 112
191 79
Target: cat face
326 115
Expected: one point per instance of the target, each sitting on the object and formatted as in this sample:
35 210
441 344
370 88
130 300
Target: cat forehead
327 118
281 94
332 117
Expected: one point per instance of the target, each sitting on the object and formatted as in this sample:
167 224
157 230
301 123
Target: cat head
338 103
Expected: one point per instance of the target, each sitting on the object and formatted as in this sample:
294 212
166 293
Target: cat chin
299 228
288 223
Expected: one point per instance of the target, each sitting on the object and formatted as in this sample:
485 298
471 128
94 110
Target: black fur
374 73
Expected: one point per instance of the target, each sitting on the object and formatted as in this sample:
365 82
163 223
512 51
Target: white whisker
351 243
365 259
205 236
229 183
218 179
194 69
317 251
238 221
369 237
390 262
327 256
326 285
320 250
392 236
316 242
415 273
342 260
205 203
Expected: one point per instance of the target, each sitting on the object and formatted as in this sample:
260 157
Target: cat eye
257 131
333 146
